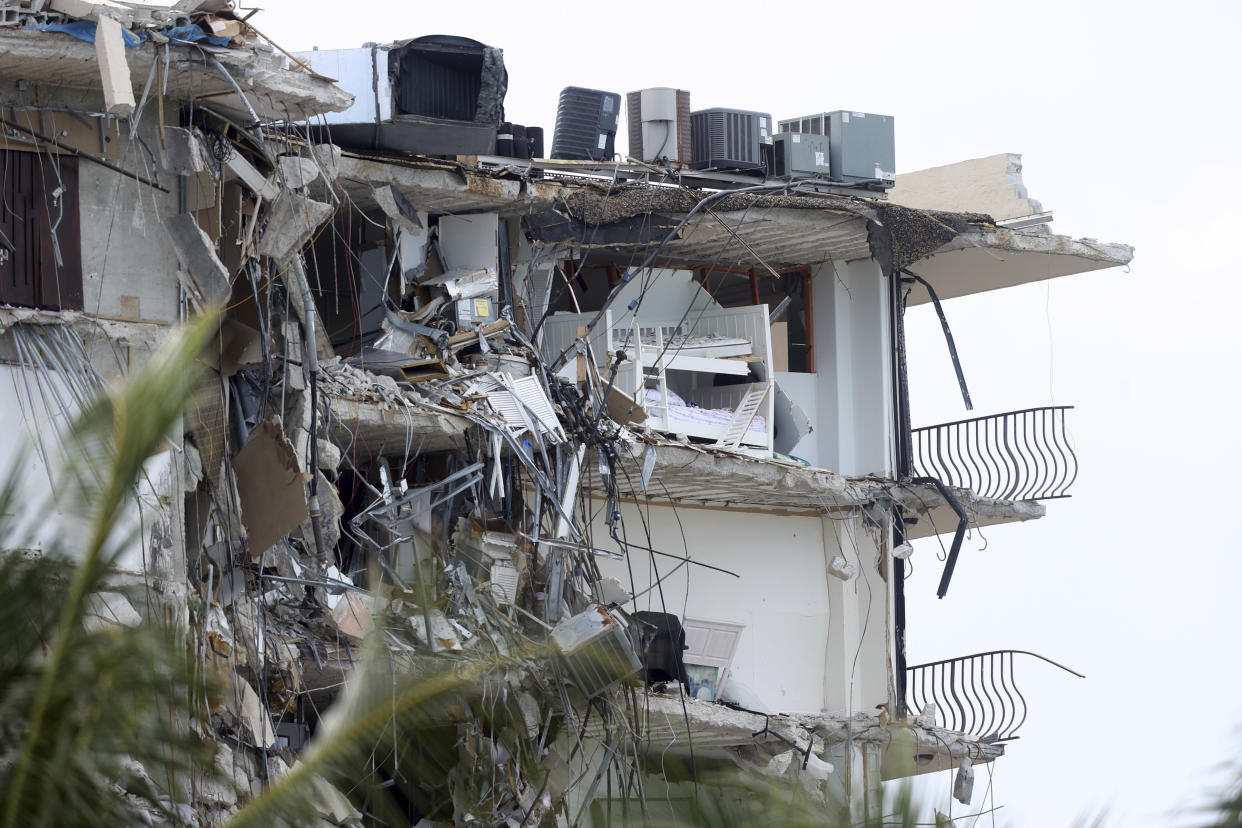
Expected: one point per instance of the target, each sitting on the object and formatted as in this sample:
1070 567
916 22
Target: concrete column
852 343
855 786
858 658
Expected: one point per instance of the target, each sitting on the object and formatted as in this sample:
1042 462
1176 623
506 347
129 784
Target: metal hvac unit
594 650
799 155
861 144
586 124
433 95
659 122
729 139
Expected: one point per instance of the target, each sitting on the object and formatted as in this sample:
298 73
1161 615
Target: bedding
653 396
692 415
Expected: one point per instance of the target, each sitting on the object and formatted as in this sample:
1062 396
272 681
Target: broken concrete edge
386 427
1110 254
459 187
275 92
142 337
921 498
717 725
447 186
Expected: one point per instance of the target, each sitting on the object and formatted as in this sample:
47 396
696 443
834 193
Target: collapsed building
651 419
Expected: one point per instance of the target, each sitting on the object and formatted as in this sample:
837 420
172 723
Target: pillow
653 396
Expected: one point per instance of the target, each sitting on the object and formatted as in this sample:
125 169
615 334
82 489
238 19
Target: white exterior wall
781 598
853 336
858 662
799 649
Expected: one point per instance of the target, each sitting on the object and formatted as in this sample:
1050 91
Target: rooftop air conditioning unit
799 155
729 139
861 144
433 95
586 124
659 122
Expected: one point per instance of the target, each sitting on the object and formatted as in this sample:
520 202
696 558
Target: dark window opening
41 250
793 324
348 265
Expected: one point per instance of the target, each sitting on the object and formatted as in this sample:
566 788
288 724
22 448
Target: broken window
40 249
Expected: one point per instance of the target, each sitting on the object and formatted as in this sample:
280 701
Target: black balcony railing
1022 455
974 694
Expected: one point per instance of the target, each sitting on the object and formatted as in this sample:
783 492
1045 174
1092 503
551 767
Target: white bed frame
644 366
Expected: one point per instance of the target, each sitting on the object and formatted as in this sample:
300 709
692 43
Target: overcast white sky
1126 115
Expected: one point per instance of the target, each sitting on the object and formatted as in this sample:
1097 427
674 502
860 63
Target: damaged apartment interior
635 422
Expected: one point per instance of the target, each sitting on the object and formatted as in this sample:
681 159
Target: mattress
693 415
681 412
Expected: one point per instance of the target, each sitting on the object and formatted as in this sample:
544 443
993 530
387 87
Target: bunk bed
706 378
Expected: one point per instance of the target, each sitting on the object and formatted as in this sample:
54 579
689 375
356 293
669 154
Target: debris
111 609
330 512
398 208
329 158
612 592
114 67
331 804
204 276
93 10
297 172
595 650
504 582
251 177
840 568
181 152
443 637
294 218
927 718
623 408
243 704
352 615
524 406
964 781
271 485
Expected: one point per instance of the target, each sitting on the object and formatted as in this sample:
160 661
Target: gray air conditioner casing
729 139
433 95
861 144
800 155
659 124
586 124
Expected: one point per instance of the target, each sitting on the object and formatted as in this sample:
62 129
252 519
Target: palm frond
85 705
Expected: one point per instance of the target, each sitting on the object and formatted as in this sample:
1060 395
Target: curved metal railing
974 694
1021 455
